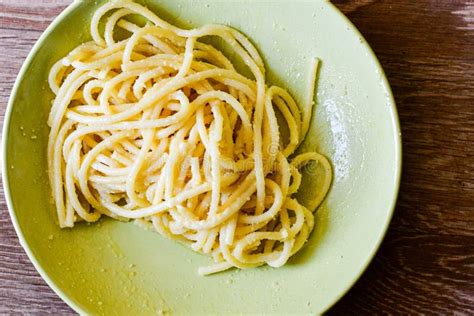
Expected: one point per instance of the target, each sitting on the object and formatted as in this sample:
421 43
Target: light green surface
118 268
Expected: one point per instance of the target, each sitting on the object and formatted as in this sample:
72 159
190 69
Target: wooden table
426 263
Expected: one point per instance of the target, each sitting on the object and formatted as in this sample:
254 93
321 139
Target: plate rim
75 306
5 180
398 161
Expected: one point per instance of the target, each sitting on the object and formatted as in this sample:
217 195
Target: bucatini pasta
161 128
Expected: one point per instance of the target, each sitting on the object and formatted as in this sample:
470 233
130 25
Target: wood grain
426 263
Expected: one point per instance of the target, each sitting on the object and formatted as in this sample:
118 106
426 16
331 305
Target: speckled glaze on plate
119 268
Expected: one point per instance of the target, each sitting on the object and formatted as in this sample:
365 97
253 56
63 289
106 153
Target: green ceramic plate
118 268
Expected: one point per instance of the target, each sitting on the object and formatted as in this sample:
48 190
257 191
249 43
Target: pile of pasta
160 127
